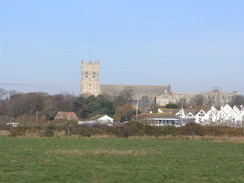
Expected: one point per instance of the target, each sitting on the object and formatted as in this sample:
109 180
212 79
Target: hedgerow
128 130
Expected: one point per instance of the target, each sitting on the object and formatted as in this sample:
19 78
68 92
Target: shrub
169 130
83 130
172 106
192 129
131 123
49 132
17 131
124 131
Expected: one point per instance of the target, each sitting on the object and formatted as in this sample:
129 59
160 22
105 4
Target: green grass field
119 160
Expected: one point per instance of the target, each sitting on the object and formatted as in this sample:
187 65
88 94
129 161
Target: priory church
161 95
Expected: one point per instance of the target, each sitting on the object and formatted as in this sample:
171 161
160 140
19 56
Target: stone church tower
90 78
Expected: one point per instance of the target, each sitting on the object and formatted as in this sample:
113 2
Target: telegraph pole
136 109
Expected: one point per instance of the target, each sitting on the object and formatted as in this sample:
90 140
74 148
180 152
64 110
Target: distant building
185 115
13 124
216 97
159 119
105 119
66 115
161 95
101 120
225 115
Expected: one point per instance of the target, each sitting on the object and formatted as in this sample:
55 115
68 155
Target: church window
86 74
93 75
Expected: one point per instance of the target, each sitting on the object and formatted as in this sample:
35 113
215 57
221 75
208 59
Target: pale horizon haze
192 45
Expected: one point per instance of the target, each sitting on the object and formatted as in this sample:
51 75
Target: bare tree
35 101
199 100
237 100
64 101
13 93
182 102
50 108
126 95
145 104
2 93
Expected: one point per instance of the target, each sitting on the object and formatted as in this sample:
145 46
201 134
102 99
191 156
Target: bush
83 130
172 106
130 129
17 131
192 129
169 130
49 132
131 123
124 131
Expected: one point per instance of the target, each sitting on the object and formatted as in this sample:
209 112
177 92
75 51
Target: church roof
142 89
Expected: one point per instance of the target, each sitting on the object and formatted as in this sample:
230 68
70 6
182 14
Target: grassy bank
174 159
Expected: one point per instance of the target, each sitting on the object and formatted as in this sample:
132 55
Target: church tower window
94 75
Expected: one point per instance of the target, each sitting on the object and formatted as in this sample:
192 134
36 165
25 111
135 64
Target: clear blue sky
193 45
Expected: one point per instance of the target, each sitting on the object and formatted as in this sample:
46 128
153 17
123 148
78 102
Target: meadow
144 159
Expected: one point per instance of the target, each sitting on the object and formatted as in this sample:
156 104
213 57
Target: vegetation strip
100 152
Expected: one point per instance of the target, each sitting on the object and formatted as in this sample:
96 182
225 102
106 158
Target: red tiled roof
66 115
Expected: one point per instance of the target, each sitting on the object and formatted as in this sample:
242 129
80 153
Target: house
101 120
13 124
199 116
225 115
210 116
66 115
186 115
105 119
160 119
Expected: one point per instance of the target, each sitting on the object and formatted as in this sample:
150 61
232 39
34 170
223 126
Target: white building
105 119
102 120
226 115
186 115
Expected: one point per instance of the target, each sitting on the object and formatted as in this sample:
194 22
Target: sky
192 45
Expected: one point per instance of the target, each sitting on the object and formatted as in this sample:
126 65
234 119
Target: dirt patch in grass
232 140
100 152
223 139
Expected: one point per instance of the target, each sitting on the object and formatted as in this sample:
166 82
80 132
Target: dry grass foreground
222 139
99 152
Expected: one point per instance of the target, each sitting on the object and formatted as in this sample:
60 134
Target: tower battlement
90 63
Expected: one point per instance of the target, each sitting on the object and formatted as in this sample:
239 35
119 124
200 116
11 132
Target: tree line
16 104
120 106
